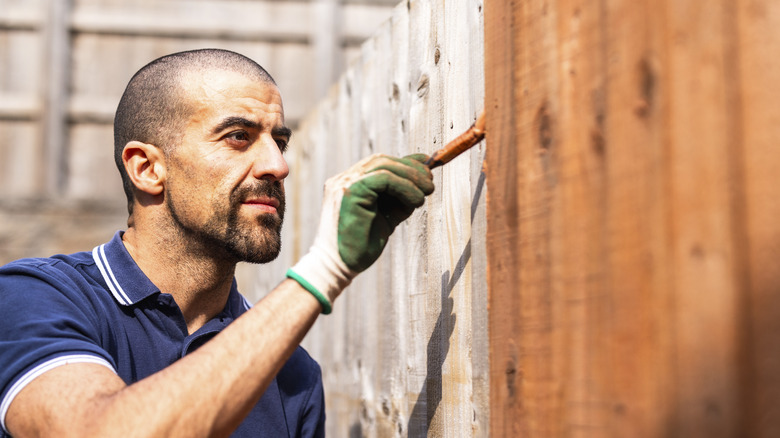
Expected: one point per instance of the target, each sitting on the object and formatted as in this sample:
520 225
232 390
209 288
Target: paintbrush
459 144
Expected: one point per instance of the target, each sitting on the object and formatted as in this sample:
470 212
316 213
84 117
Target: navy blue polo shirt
99 307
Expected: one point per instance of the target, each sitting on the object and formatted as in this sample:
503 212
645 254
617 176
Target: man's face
225 178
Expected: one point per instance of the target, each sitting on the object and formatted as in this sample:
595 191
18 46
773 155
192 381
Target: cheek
222 182
191 186
210 182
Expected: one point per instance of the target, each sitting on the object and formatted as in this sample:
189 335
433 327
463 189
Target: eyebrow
281 131
278 131
234 121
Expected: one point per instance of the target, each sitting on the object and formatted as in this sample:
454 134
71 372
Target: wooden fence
404 352
629 238
632 219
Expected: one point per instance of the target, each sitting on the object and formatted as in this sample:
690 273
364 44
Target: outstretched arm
210 391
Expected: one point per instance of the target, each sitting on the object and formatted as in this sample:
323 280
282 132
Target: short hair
152 109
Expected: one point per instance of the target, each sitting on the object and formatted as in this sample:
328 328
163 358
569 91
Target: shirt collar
236 304
127 283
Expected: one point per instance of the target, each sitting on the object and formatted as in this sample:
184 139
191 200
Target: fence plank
757 209
626 197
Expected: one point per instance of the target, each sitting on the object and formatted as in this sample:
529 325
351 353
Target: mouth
265 204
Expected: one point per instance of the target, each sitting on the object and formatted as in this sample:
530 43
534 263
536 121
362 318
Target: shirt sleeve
47 319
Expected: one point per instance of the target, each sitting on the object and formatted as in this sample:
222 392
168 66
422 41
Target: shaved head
153 108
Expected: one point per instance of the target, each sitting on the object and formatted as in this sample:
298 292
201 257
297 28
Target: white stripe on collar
99 254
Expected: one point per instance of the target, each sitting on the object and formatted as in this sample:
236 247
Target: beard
224 232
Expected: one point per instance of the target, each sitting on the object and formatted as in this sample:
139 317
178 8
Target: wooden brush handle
459 144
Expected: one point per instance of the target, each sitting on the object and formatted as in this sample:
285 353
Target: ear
145 165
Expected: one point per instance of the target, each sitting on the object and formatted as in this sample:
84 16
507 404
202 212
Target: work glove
360 209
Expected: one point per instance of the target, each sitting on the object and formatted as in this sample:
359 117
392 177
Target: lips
273 202
264 201
262 198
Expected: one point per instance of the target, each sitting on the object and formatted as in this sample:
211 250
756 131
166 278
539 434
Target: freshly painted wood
756 209
629 234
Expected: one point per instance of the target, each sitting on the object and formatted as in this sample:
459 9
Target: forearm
206 393
216 386
243 360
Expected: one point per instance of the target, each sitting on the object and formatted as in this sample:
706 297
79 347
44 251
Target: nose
269 163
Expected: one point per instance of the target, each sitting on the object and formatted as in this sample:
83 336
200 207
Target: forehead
218 93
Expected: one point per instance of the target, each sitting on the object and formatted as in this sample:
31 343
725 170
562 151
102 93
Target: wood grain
405 351
629 240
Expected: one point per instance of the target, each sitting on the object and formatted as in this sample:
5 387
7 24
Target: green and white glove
360 209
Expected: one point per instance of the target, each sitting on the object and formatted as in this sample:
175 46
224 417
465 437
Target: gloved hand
360 209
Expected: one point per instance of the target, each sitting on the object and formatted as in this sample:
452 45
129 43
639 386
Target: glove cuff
322 276
326 304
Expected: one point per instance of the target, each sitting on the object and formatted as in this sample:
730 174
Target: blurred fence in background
65 63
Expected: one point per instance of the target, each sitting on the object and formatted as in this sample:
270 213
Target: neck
199 282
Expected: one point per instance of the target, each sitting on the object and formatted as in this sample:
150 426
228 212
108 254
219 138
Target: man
147 335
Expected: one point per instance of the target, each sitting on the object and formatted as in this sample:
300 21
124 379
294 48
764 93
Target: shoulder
49 316
55 270
50 305
34 293
62 277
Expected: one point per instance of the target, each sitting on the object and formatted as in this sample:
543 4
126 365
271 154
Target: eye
282 143
238 138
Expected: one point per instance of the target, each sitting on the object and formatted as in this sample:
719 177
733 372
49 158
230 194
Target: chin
253 241
262 249
262 259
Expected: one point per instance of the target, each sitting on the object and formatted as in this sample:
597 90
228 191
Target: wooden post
56 96
326 41
631 220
